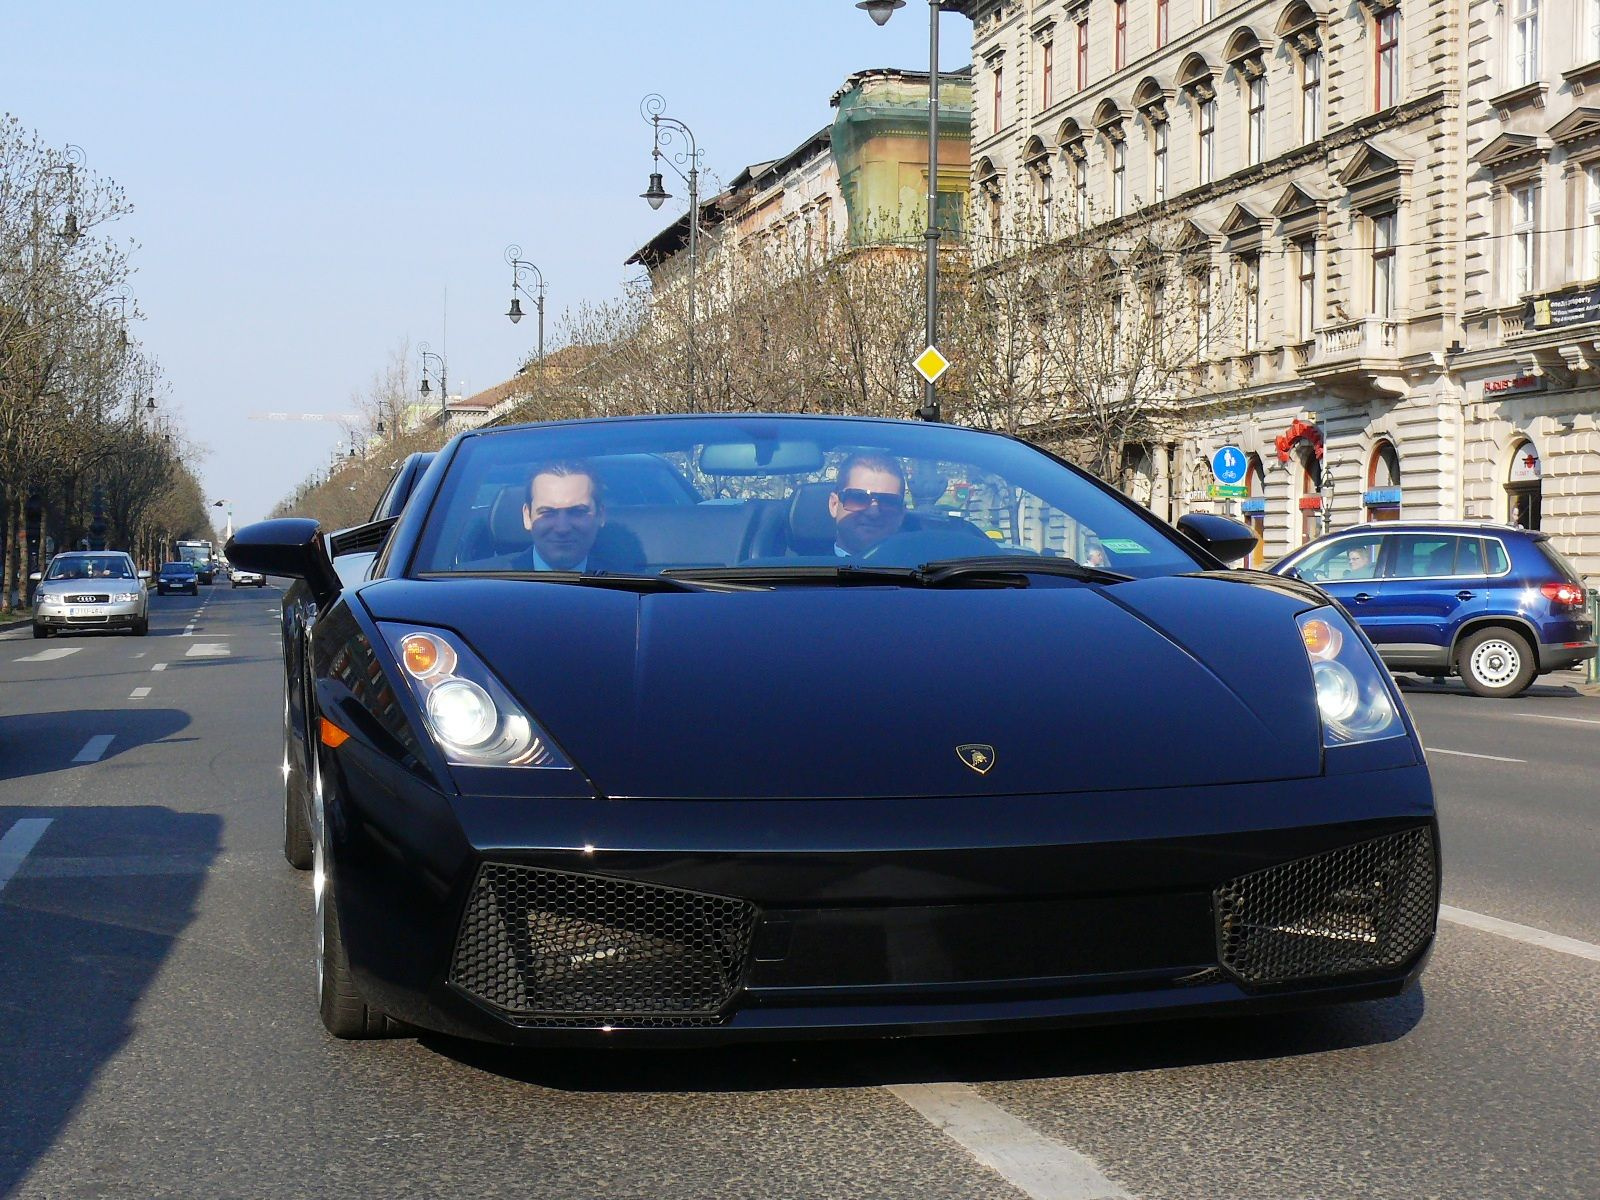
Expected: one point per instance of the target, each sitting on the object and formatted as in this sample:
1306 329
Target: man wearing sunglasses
868 503
564 513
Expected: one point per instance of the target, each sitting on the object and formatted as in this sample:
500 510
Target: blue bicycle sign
1229 465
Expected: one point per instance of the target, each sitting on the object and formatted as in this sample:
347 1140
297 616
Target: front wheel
141 627
1498 663
40 631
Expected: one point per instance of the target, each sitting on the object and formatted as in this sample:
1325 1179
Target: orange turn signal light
331 734
1322 639
421 654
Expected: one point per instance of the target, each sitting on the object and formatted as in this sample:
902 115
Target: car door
1329 566
1432 582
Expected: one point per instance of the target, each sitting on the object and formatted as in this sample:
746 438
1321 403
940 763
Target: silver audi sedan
91 589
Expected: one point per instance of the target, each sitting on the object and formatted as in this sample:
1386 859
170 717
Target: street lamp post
227 504
880 11
440 375
666 128
519 267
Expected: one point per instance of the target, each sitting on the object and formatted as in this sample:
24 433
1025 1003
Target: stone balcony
1361 355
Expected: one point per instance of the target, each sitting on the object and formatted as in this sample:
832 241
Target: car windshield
770 495
91 566
177 569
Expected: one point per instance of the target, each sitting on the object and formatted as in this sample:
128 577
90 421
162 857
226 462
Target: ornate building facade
1399 335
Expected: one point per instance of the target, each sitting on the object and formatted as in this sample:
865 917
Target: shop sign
1513 383
1255 506
1310 503
1377 496
1576 307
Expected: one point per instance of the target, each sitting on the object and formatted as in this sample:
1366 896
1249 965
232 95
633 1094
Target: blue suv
1495 604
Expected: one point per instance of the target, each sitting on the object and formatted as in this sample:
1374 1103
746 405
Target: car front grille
1367 907
557 949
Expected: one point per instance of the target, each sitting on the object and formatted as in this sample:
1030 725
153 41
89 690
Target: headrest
505 520
811 525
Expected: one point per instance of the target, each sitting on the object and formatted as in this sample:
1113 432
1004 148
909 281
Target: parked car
91 590
714 780
1494 604
243 578
178 577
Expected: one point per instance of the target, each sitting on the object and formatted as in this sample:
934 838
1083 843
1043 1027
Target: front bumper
104 616
547 921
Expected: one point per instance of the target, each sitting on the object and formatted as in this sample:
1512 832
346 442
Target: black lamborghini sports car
721 727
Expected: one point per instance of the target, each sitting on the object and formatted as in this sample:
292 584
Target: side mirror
289 547
144 574
35 577
1224 537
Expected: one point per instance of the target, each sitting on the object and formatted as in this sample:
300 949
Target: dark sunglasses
859 499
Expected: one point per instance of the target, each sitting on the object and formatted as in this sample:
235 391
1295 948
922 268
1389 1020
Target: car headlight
124 597
470 715
1353 692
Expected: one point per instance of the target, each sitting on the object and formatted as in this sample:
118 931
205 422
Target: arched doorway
1382 497
1306 465
1201 483
1253 508
1525 486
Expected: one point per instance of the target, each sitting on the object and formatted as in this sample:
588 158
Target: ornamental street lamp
520 267
880 11
438 374
666 129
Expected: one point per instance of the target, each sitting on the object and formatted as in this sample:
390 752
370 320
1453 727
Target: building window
1080 188
1158 322
1161 23
999 95
1119 178
1046 197
1208 10
1306 256
1257 133
1250 296
1311 97
1525 238
1383 265
996 214
1591 31
1116 330
1047 74
1158 147
1524 42
1387 59
1208 141
1121 44
1083 54
1591 179
1201 288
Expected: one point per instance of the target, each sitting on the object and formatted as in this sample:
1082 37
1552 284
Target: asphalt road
158 1035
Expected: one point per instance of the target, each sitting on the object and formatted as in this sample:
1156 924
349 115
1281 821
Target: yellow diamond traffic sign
930 364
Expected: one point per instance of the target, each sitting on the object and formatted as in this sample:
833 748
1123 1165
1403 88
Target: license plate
84 612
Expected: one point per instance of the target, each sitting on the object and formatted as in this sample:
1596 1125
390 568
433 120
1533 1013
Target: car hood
873 692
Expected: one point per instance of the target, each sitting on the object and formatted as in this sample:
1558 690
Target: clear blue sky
309 180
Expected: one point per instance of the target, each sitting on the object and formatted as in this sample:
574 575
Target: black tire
344 1013
297 847
40 631
1496 662
141 627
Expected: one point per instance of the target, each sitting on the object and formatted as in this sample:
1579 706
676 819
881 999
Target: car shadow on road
86 923
42 743
1422 685
1055 1054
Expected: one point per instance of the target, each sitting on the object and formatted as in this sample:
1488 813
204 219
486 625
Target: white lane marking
1550 717
209 650
1520 933
1466 754
138 693
1037 1166
47 655
18 841
94 748
159 667
140 654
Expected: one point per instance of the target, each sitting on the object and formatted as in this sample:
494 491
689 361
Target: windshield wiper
844 573
613 580
1018 567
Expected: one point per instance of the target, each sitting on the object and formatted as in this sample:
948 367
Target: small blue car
1494 604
